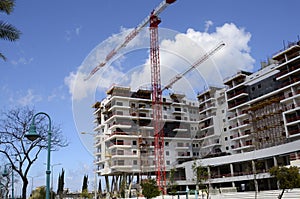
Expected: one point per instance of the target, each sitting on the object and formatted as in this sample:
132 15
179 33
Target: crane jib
161 7
193 66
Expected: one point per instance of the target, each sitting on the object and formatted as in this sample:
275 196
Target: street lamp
52 171
5 174
32 135
95 175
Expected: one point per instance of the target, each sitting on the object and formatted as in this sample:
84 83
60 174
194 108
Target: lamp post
5 173
52 171
95 175
32 135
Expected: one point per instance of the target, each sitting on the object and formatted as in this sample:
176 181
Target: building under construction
125 140
237 132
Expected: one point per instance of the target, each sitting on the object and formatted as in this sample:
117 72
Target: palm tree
7 31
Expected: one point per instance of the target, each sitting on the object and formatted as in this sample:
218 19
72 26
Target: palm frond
7 6
8 32
2 57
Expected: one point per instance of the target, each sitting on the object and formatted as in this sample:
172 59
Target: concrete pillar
275 161
208 172
232 174
107 184
276 164
266 165
254 176
231 169
209 177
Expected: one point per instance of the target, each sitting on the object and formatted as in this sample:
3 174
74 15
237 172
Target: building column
266 165
254 176
209 177
232 173
107 184
276 164
275 161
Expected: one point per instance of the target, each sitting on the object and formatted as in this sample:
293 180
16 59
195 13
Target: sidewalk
272 194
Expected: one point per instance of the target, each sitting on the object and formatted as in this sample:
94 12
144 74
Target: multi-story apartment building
125 142
237 132
262 125
212 123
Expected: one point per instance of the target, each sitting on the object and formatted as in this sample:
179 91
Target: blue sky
59 36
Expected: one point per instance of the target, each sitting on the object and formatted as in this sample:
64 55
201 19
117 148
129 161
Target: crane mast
160 170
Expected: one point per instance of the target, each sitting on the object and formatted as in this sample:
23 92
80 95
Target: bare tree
20 152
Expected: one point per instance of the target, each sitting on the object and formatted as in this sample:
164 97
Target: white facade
125 132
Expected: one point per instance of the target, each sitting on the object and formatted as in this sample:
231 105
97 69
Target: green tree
16 149
7 31
172 183
201 176
99 187
40 193
84 190
61 183
287 177
150 188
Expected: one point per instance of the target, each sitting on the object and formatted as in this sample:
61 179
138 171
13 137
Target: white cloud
71 33
177 55
28 99
77 30
208 24
57 93
22 60
177 52
79 88
74 178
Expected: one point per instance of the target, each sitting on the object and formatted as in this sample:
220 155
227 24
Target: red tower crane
157 104
155 82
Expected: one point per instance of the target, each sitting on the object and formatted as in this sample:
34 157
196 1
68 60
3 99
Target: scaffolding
267 123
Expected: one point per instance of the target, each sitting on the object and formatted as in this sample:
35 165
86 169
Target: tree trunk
281 194
24 188
207 192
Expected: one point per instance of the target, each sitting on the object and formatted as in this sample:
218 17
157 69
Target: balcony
181 147
292 119
237 103
203 136
210 144
240 136
294 132
177 111
183 155
240 147
209 106
121 125
236 127
285 74
125 155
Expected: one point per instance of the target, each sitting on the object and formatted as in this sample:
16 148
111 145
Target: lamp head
32 134
5 172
